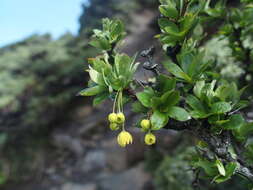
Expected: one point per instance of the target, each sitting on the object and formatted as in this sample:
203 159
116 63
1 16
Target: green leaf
96 76
230 170
165 83
145 97
169 11
137 107
220 107
172 29
208 166
223 91
241 104
198 88
177 71
195 104
156 102
117 29
100 98
169 99
122 63
242 133
98 64
198 115
92 91
164 22
158 120
235 121
101 43
208 92
178 113
220 167
188 23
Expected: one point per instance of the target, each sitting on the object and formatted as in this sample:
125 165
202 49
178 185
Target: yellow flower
120 118
150 139
114 126
112 117
145 124
124 138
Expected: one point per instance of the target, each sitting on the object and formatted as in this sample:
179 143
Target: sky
22 18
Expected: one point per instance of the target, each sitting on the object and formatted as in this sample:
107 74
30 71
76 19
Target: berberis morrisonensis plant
191 95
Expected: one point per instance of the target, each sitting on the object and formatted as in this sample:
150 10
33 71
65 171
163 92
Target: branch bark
218 144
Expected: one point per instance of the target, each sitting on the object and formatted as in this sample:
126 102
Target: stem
115 100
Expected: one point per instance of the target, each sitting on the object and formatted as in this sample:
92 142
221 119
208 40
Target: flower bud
150 139
145 124
114 126
112 117
120 118
124 138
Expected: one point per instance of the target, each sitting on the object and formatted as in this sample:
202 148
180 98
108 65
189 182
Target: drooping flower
150 139
112 117
124 138
120 118
145 124
114 126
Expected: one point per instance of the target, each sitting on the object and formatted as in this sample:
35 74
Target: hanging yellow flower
120 118
145 124
124 138
150 139
112 117
114 126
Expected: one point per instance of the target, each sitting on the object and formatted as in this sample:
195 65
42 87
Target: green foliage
192 90
107 76
32 81
172 170
112 33
39 76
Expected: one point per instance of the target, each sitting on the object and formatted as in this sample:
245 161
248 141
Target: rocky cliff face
83 154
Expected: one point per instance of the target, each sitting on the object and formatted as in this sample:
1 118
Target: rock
67 142
118 158
94 160
133 179
73 186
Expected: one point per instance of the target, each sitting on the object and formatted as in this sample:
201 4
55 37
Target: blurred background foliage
39 80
